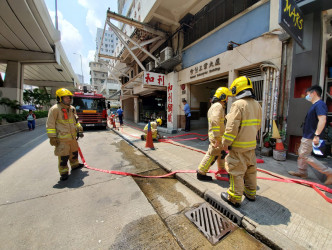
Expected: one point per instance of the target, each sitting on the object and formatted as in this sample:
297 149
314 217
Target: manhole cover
211 223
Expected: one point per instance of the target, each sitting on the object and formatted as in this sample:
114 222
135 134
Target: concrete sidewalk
285 215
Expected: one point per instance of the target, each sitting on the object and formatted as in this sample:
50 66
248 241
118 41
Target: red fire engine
91 109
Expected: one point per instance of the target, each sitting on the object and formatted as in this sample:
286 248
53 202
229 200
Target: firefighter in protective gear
216 119
242 124
154 131
62 127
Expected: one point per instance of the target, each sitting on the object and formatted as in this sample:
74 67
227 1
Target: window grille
212 15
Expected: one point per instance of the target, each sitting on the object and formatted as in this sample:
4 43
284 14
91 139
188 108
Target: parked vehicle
91 109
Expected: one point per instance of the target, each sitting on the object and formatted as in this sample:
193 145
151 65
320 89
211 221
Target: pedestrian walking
313 131
31 117
62 128
216 120
242 124
187 113
120 115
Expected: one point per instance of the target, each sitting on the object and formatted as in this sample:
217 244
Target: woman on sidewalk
31 117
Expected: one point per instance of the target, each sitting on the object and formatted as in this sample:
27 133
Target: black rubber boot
224 196
81 165
249 198
64 177
203 177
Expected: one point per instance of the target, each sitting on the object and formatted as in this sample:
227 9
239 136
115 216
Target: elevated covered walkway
30 49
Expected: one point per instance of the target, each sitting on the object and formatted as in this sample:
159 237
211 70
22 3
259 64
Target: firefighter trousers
67 150
213 154
241 167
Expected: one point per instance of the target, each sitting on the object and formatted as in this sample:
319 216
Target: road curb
259 232
16 127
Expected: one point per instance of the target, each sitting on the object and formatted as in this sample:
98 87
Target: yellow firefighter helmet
159 121
222 93
239 84
62 92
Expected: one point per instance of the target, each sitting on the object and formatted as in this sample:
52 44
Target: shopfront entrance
153 106
200 96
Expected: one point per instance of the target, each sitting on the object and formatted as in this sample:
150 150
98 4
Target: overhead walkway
30 49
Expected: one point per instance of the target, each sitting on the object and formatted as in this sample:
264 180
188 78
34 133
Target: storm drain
212 224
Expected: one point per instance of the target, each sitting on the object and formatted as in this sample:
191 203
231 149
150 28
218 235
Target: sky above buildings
78 21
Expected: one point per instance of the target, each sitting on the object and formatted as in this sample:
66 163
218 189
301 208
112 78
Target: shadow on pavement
75 180
15 146
265 211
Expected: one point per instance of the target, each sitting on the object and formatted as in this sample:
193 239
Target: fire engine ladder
120 34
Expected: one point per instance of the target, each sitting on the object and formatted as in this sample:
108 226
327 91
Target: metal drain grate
211 223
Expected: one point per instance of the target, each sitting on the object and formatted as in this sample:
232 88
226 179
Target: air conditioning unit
156 65
166 54
150 66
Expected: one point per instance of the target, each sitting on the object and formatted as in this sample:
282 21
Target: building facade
207 44
107 45
100 80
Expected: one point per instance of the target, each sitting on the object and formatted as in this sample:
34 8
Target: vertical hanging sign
170 103
291 20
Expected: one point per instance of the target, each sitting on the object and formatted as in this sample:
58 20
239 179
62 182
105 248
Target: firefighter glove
54 141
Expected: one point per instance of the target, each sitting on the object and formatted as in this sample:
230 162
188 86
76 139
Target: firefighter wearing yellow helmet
243 123
154 131
216 118
62 128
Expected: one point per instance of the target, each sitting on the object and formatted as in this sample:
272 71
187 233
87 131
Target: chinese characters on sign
205 68
153 79
170 103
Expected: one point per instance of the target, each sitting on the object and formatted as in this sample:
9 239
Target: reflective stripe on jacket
243 123
216 119
58 126
154 130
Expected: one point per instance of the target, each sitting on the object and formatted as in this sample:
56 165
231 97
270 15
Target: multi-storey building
100 80
107 45
197 46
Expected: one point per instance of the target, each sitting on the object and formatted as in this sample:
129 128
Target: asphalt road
95 210
91 210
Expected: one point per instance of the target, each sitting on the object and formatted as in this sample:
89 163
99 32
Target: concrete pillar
53 90
232 75
136 110
13 84
173 100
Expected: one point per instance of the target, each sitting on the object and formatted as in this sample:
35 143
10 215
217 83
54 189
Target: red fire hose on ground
317 187
218 175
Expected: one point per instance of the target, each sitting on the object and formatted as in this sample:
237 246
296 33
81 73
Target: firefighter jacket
62 122
242 124
216 119
153 129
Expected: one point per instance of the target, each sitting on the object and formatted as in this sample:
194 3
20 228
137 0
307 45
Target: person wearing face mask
313 130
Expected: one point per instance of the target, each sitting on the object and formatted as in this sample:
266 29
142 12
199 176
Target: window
212 15
301 85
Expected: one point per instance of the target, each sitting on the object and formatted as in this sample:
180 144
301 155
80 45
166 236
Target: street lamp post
81 65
